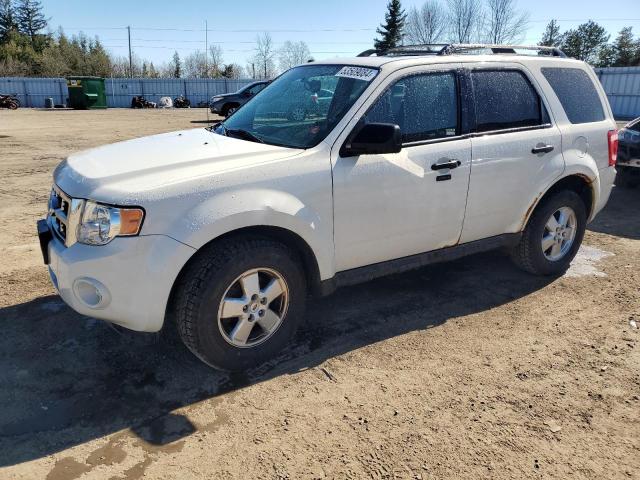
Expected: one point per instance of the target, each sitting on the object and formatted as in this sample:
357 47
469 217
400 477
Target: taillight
612 136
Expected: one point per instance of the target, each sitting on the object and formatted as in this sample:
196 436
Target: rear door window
576 93
505 99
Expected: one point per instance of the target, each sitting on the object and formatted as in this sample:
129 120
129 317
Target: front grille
63 212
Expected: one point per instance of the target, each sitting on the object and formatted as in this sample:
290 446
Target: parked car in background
629 155
226 104
410 158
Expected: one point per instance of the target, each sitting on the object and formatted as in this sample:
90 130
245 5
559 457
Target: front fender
229 211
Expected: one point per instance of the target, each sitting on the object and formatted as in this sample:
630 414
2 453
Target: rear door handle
444 165
540 148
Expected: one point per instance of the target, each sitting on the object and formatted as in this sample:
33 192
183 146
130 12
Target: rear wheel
553 235
229 109
13 105
241 302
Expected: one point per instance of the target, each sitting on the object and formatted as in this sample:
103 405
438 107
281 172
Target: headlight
216 99
99 224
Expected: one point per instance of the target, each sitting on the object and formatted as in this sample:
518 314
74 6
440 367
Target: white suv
413 157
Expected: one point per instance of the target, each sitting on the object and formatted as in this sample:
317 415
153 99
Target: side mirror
373 139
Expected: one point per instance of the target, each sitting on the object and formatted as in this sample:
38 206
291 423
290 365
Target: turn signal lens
130 221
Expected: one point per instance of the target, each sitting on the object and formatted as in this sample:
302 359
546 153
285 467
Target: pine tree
391 31
627 49
551 36
177 65
7 19
31 21
585 42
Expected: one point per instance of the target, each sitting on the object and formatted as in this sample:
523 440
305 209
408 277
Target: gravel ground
470 369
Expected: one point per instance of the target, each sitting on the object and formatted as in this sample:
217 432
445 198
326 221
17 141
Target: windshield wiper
247 135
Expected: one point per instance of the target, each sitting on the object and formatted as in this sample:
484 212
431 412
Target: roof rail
461 48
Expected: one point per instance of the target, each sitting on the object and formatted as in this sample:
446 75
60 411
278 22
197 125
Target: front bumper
127 282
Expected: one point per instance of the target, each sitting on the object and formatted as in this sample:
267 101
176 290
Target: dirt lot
466 370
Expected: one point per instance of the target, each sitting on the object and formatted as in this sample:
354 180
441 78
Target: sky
331 28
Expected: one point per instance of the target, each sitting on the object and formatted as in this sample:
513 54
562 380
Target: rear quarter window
577 94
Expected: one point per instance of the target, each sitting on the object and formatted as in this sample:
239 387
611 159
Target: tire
13 106
229 109
530 254
213 276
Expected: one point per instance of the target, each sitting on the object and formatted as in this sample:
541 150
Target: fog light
91 293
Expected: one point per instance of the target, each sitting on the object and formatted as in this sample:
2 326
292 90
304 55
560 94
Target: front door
394 205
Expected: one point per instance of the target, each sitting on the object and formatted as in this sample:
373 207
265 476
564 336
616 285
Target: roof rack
461 48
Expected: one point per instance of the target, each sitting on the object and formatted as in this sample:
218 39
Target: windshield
300 107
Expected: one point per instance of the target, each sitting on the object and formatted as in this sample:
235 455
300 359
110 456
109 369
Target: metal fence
622 85
32 91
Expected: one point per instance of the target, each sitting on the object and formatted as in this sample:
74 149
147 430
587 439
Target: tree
31 21
195 65
505 24
264 56
8 21
426 25
233 70
465 19
626 49
551 36
585 42
391 31
216 65
153 73
292 54
176 65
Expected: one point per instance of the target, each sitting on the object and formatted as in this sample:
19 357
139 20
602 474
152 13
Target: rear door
516 150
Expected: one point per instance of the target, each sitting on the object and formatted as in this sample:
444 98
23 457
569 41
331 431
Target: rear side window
505 99
576 93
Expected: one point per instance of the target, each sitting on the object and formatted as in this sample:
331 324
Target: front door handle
444 165
541 148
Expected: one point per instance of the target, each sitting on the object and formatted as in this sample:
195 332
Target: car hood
128 172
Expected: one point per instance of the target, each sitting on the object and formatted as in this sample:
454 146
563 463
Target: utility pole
206 51
130 58
253 68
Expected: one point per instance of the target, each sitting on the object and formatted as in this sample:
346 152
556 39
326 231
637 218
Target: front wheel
553 235
240 303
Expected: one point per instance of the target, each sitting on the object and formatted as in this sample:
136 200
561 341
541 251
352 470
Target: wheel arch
578 183
279 234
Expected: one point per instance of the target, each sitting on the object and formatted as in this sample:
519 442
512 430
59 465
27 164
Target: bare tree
292 54
427 24
504 23
216 62
195 65
264 56
465 19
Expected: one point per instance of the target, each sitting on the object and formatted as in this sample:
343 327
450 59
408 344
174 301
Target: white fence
32 91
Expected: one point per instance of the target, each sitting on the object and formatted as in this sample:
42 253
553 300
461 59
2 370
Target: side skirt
398 265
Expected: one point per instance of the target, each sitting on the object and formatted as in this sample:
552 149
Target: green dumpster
86 93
